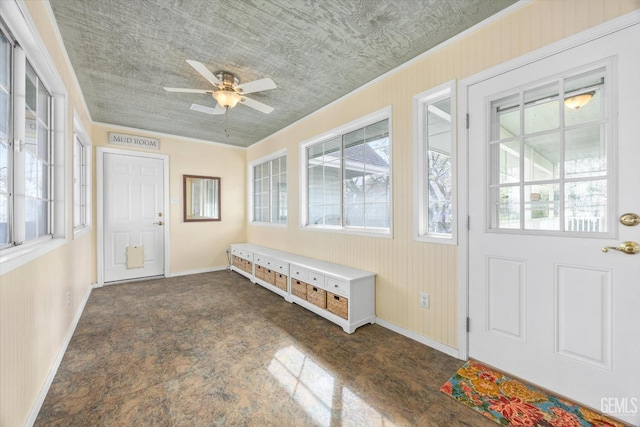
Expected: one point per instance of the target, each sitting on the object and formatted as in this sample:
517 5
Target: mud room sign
134 141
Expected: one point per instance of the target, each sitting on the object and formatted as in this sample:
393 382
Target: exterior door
133 191
554 155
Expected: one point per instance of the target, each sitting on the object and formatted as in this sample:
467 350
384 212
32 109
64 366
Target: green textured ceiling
125 51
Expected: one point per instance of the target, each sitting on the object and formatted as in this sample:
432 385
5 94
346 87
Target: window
434 139
35 153
81 180
268 177
32 160
549 157
5 166
348 177
25 193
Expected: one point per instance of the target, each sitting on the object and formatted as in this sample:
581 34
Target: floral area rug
510 402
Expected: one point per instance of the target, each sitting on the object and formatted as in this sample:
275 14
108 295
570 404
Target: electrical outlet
226 250
68 298
424 300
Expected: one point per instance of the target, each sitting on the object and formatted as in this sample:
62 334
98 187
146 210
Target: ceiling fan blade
208 110
200 67
264 108
257 85
177 89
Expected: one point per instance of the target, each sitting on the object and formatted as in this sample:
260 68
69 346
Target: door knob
629 219
630 248
158 223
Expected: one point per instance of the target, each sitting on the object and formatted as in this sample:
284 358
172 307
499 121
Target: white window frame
21 27
251 190
82 184
383 114
608 105
421 102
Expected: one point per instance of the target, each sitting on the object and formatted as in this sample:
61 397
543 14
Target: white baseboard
453 352
35 409
198 271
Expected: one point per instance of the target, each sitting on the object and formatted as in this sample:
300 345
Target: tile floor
215 350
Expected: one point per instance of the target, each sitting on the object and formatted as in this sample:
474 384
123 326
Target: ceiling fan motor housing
228 80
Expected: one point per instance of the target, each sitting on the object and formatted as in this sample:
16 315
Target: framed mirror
201 198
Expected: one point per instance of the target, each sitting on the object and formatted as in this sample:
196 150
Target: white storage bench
340 294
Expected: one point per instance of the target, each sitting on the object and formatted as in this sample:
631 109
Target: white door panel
547 305
133 210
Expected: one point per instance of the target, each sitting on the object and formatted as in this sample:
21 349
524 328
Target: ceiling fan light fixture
578 101
226 98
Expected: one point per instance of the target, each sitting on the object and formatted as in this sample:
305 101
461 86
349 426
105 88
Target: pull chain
226 121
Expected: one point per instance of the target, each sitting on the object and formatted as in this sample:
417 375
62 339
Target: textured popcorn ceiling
125 51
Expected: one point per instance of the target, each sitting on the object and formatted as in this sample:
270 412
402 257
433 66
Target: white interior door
547 185
133 201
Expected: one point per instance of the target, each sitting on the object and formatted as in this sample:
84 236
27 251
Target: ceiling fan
228 91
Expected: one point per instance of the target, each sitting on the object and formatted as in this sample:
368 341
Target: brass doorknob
158 223
629 248
629 219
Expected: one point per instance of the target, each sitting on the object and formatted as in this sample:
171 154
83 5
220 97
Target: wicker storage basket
237 262
317 296
299 289
269 276
338 305
281 281
248 267
260 270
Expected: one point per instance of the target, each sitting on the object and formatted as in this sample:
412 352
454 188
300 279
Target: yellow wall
196 246
404 267
34 319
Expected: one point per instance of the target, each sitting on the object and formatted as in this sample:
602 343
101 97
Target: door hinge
468 324
468 222
467 120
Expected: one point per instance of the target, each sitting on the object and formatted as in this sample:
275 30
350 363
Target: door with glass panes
554 151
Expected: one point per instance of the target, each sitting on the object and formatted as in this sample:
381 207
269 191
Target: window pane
541 109
507 156
31 132
5 51
43 104
4 115
586 206
366 169
43 181
506 119
585 152
354 187
541 157
4 219
5 173
354 215
352 139
435 214
270 190
541 207
31 89
30 175
30 219
584 98
43 218
508 207
439 186
43 143
377 215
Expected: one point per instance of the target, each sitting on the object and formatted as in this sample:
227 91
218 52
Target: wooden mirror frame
208 207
